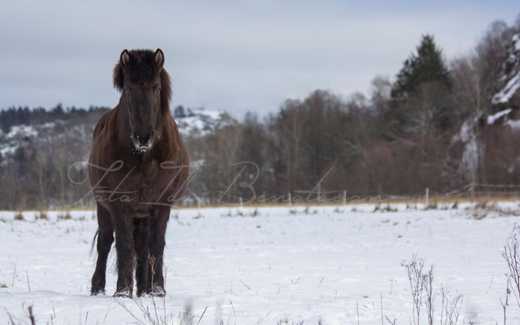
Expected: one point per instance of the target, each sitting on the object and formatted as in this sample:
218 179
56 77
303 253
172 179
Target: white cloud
234 55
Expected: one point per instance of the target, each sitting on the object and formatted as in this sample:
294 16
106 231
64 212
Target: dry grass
42 215
64 215
19 216
434 199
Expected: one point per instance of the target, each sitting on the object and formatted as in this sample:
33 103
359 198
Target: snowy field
283 265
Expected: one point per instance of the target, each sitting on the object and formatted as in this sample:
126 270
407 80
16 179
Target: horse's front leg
157 241
124 229
142 250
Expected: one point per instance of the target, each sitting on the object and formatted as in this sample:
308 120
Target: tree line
398 140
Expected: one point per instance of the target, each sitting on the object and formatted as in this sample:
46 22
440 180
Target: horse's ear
159 58
118 77
124 58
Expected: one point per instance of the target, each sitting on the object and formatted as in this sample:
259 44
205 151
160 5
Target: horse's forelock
142 65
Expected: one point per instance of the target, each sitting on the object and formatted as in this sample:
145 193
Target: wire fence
469 192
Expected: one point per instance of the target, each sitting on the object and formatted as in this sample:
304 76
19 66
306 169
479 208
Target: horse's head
145 87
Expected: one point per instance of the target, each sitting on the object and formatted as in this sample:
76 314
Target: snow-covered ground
334 264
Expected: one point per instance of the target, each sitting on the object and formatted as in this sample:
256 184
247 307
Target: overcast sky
230 55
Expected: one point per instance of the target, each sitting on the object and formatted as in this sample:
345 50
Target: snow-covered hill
199 121
191 122
72 136
493 135
508 93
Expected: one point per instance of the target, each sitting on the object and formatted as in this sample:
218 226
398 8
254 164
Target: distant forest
433 125
39 115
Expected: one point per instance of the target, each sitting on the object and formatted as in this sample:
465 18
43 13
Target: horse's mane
146 69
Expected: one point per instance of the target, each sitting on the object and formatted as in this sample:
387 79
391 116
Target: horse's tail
96 235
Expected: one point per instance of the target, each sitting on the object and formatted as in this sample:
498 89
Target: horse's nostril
144 138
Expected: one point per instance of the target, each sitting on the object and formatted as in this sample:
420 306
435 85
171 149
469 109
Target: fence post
344 197
427 197
289 198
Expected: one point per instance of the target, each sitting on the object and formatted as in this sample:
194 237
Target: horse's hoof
97 292
123 293
157 292
140 294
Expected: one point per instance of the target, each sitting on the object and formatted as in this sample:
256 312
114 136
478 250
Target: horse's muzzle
142 143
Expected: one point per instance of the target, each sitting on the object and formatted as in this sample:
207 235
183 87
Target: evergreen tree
179 112
421 95
427 65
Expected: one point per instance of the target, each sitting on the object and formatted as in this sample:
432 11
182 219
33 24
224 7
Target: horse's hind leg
141 236
157 241
104 242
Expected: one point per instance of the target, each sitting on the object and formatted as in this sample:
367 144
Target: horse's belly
141 211
138 194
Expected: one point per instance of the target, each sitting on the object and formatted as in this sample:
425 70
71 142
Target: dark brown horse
138 167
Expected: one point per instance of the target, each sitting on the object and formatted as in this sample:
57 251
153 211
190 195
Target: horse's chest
145 182
138 184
